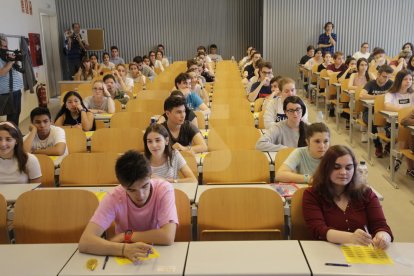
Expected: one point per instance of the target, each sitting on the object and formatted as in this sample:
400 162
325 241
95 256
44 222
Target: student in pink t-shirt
142 208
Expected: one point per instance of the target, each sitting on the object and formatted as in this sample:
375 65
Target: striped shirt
170 170
4 80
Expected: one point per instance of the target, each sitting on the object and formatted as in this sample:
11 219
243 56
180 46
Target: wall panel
289 26
136 26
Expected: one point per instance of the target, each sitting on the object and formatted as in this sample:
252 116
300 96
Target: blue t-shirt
324 39
264 91
193 101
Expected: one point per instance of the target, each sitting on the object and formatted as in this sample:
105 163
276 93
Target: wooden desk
370 105
246 258
35 259
12 191
171 262
319 252
392 118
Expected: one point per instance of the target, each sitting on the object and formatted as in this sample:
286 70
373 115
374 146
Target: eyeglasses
266 72
297 110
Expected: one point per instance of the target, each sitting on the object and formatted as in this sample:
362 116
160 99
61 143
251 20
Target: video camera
16 55
9 55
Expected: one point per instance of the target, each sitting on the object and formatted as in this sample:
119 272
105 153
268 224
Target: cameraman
75 49
10 78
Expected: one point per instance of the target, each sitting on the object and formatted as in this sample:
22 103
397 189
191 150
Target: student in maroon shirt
338 65
340 209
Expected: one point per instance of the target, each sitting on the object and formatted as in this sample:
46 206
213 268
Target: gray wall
290 25
137 26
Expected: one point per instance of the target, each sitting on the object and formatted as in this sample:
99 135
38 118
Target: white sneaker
364 137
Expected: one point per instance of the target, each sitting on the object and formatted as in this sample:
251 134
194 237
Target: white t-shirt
168 170
402 100
359 55
57 135
10 174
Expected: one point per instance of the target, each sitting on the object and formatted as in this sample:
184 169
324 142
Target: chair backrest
281 156
182 203
299 230
235 166
228 137
153 94
191 162
53 216
403 132
201 121
117 140
359 107
48 170
379 120
140 120
258 104
322 82
75 140
261 120
87 169
240 214
344 86
155 106
4 233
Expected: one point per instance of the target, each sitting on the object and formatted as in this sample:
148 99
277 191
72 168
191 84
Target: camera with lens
9 55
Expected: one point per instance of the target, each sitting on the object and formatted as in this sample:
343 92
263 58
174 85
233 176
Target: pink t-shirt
118 207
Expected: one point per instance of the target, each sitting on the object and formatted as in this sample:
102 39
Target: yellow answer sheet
356 254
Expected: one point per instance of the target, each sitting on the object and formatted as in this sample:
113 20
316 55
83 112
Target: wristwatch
128 236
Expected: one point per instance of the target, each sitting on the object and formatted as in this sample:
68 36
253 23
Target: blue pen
335 264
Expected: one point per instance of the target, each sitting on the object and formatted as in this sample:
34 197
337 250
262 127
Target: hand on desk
381 240
137 250
361 237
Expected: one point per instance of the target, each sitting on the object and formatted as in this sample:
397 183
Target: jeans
17 101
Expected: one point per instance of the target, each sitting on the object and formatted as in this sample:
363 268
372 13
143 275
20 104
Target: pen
366 230
150 250
106 260
335 264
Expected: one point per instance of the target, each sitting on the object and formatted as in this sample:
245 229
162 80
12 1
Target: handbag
6 104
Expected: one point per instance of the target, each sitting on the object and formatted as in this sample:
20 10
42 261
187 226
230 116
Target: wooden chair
182 203
153 94
117 140
299 230
359 108
191 162
75 140
229 137
404 135
258 104
201 121
240 214
88 169
156 106
139 120
118 106
4 233
281 156
261 120
235 166
380 120
48 170
53 216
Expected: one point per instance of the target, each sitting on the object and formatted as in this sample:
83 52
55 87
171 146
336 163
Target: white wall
14 22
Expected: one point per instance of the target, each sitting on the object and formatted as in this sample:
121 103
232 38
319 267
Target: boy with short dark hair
43 137
142 208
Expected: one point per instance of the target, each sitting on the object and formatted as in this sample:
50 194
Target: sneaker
364 137
397 164
378 151
347 125
387 149
332 112
410 172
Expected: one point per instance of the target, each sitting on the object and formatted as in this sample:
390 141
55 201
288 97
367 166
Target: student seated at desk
189 114
302 163
74 113
194 102
166 162
184 136
44 138
340 209
287 133
16 165
100 101
142 208
274 112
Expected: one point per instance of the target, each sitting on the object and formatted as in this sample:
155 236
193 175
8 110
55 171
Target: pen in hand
366 230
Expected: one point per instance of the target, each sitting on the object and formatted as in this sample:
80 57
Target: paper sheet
356 254
100 195
124 261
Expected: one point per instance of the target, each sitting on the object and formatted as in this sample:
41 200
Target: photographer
75 49
10 80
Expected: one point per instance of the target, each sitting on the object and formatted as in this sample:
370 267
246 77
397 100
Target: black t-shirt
304 59
321 67
264 91
373 88
186 135
250 71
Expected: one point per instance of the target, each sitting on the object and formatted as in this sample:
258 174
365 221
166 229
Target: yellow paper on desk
100 195
124 261
54 158
357 254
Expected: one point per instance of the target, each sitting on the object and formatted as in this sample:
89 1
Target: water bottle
232 59
319 117
363 172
